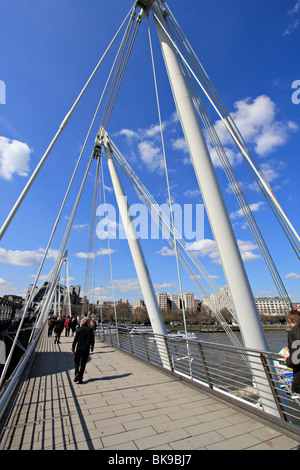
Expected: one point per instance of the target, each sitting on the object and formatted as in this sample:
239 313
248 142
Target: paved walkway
124 404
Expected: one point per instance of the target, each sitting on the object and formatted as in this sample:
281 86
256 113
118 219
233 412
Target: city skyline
217 298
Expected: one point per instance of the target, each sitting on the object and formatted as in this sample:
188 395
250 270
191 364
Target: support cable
57 135
236 188
167 178
123 57
164 225
71 182
109 252
91 252
289 230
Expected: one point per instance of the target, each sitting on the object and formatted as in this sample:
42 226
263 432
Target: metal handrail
10 385
225 370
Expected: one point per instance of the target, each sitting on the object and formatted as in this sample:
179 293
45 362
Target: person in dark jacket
84 341
74 326
58 328
51 324
293 361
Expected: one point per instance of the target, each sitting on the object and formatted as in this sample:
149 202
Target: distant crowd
57 325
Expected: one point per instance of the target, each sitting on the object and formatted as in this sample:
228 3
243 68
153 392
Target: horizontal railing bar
229 374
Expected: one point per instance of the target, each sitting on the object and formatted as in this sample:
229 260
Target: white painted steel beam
147 288
233 266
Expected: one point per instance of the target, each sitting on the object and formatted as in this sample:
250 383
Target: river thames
276 339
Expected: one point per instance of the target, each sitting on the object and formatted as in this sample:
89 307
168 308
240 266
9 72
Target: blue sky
250 50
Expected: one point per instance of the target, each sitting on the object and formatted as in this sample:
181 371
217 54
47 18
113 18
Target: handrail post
130 342
205 366
168 353
272 387
146 348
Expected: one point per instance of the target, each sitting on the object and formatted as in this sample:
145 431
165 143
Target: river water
277 339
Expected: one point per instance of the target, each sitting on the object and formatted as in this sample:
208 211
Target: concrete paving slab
124 404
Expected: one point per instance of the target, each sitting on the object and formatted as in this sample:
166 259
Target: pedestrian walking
83 342
58 329
51 324
74 326
85 316
93 324
67 325
293 359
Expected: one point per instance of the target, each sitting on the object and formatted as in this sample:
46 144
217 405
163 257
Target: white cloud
154 130
130 134
295 21
14 158
90 255
209 248
271 170
149 143
127 285
165 251
180 144
255 207
83 255
79 226
25 258
292 276
256 121
233 157
165 285
205 247
151 155
192 193
246 249
295 9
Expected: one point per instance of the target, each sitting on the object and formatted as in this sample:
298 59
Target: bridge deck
125 404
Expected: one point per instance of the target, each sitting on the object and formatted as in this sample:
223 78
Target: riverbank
197 328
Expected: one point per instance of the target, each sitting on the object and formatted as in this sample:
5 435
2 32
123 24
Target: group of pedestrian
58 324
83 342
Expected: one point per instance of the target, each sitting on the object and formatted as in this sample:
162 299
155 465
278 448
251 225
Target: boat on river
137 330
181 334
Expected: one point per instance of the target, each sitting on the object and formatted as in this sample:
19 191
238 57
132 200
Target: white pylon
145 281
233 266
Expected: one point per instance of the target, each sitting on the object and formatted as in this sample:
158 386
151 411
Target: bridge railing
8 388
226 371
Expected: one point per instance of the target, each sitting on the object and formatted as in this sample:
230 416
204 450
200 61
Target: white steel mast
145 281
231 259
233 266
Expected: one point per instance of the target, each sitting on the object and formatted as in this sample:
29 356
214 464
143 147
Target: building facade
188 299
270 306
162 299
174 301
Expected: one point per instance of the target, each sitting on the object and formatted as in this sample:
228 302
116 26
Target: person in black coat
293 360
58 328
84 341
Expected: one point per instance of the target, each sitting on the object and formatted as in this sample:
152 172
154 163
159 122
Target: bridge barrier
8 388
223 370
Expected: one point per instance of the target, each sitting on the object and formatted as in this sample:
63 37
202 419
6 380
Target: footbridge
128 402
